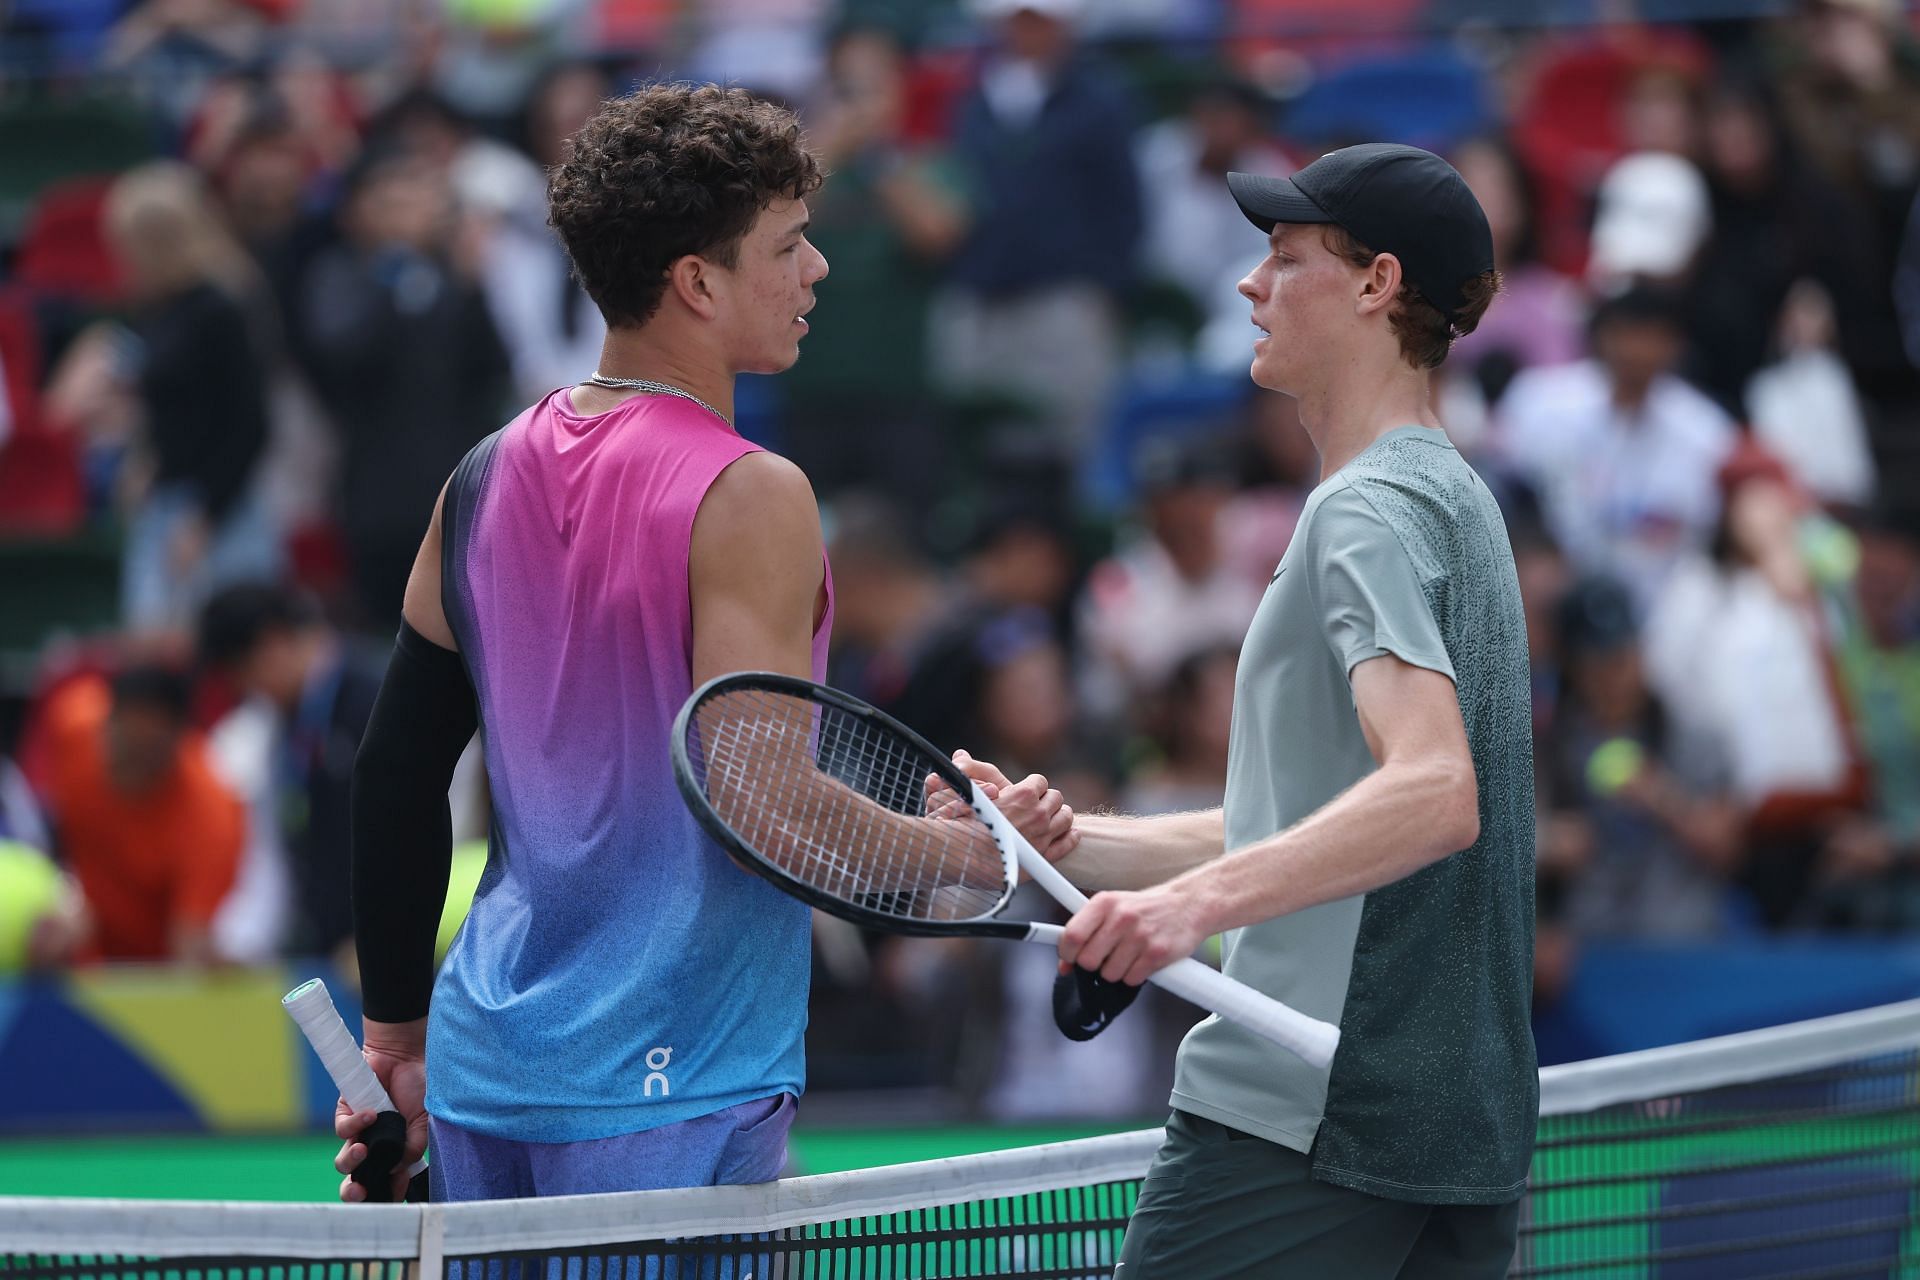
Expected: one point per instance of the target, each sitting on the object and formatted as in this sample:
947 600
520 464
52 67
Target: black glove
1085 1004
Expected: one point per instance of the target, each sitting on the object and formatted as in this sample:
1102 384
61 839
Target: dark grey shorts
1220 1204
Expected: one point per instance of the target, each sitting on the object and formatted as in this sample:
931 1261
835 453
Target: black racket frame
747 857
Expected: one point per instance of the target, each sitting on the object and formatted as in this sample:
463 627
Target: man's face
764 295
276 669
1301 294
1033 36
141 744
1636 351
404 205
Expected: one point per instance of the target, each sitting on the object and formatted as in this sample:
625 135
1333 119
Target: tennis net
1792 1152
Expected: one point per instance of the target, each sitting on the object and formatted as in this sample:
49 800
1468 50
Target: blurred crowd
272 266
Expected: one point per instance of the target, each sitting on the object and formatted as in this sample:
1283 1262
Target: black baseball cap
1393 199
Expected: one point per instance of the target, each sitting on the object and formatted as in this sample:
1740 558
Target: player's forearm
1384 828
402 830
1118 852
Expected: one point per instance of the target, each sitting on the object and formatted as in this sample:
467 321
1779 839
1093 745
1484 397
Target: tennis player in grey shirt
1373 864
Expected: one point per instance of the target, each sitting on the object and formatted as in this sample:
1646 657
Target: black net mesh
1814 1174
1798 1174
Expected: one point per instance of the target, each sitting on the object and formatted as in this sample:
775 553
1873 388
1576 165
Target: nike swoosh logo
1276 575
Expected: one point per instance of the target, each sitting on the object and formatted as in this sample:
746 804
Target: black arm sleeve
402 829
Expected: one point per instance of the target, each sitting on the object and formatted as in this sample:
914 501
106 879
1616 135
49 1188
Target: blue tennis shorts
744 1143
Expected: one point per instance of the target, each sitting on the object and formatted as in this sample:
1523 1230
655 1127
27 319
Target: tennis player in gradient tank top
624 1008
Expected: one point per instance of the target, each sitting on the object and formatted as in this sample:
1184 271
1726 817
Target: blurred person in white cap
1653 218
1043 142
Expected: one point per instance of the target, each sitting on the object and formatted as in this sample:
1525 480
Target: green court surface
203 1167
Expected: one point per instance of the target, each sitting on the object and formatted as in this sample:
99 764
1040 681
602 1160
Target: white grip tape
1311 1038
311 1007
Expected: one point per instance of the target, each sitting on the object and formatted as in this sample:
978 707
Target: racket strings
843 805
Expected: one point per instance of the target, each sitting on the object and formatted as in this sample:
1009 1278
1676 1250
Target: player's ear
693 280
1379 284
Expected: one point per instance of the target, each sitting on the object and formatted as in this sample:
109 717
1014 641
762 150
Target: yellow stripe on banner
219 1038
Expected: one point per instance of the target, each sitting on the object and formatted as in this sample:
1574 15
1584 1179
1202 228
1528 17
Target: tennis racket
852 812
311 1006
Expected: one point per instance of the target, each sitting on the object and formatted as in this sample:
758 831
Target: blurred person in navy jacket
1044 146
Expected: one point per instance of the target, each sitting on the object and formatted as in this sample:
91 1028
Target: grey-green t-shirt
1433 1095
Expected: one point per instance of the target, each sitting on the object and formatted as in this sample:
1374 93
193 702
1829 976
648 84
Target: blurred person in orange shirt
150 833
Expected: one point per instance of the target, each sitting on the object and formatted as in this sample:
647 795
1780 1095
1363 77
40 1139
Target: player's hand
1128 937
1036 810
402 1069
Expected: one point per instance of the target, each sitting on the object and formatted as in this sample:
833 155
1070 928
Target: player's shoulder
1348 502
762 500
766 483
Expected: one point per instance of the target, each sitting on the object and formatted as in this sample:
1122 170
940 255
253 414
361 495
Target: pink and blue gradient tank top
617 972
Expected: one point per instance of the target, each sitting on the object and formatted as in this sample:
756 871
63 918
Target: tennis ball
1831 552
29 890
469 860
1613 765
500 14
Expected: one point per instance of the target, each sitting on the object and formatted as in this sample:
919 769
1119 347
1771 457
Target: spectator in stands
1776 221
1019 563
1620 450
1021 551
1044 144
1537 317
271 150
1172 592
170 49
272 643
1190 240
1186 722
195 361
1805 408
859 407
1278 469
1737 648
550 328
1852 98
1636 827
150 834
1870 866
889 601
1651 217
264 165
1026 711
1660 107
406 359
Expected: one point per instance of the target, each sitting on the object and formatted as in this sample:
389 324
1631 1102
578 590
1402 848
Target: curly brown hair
1425 332
670 170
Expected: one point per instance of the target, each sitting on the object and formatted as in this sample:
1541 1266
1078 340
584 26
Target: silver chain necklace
648 385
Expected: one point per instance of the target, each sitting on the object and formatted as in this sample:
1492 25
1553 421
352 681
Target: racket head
827 797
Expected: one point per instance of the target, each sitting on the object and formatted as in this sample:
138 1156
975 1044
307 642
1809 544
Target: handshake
1084 1003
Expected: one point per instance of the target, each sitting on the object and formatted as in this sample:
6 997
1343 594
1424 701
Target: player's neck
1360 401
654 353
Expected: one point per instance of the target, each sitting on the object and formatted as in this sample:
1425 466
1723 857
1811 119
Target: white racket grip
312 1008
1312 1040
